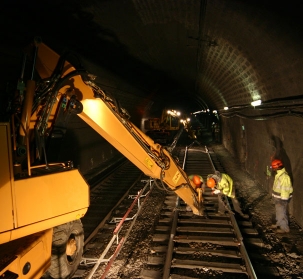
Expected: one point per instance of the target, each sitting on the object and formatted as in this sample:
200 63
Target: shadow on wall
280 153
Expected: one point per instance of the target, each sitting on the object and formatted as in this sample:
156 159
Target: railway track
106 193
110 198
182 245
189 246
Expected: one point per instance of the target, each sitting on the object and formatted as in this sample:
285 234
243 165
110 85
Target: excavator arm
42 202
65 87
151 158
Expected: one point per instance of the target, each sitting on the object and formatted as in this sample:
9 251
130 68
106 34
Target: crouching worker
222 184
198 184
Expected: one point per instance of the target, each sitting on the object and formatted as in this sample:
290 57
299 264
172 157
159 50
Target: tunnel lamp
256 103
215 112
225 108
198 112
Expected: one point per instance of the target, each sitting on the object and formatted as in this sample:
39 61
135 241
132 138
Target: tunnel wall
268 41
255 143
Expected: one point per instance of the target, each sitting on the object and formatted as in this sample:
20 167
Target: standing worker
222 183
213 130
217 132
281 193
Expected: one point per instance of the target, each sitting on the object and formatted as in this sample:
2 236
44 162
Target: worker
217 132
198 185
199 133
197 180
281 193
222 184
213 130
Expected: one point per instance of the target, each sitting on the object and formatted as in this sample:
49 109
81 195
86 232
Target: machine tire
63 265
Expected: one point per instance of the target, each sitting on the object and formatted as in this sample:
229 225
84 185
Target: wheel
67 249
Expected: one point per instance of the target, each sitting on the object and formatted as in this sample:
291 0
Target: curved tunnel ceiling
188 54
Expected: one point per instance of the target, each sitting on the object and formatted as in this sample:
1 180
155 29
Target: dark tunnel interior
208 59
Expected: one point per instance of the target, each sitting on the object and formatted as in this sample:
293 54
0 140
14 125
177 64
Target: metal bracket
91 261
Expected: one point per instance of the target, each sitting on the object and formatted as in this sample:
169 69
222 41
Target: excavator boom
102 113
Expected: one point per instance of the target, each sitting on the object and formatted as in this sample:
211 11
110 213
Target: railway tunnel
208 59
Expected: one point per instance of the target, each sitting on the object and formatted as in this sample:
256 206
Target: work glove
216 191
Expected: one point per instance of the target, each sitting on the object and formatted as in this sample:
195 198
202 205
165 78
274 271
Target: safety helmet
211 182
276 164
196 180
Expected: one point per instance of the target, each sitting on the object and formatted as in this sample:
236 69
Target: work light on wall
256 103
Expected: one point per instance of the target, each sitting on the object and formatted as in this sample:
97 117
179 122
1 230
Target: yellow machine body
31 207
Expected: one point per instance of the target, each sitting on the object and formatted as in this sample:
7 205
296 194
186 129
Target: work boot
282 231
219 213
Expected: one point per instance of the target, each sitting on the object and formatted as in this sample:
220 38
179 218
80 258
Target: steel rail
233 238
169 255
102 222
250 270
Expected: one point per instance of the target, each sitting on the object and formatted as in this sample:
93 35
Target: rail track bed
197 247
190 246
107 193
150 234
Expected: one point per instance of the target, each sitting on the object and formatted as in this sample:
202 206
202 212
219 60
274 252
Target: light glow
256 103
174 113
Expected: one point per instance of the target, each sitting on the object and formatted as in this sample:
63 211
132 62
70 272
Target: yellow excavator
163 130
42 202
